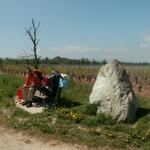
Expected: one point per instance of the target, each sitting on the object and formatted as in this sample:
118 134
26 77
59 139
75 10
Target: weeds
74 119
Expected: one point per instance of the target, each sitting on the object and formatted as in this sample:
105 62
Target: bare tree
32 33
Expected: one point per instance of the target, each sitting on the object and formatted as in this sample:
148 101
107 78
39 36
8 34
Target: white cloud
147 38
71 49
77 52
111 50
145 42
144 45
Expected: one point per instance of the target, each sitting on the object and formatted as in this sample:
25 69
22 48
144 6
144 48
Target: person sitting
38 79
53 86
28 87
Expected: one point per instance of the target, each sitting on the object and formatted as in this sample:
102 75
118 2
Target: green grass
74 119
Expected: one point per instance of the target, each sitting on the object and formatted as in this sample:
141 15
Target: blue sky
95 29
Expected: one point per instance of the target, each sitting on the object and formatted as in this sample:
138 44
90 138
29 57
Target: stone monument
113 93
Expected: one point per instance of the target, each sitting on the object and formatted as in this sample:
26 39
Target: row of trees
63 61
57 60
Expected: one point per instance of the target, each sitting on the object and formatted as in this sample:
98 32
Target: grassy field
74 120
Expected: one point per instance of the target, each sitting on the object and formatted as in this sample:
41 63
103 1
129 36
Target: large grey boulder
113 93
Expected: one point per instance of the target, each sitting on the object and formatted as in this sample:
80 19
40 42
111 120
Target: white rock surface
31 110
113 92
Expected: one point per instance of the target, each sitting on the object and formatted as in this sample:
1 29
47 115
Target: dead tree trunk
32 33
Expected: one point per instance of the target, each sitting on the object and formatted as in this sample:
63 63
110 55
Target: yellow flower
126 140
110 134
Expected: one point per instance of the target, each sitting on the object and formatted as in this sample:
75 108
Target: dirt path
11 140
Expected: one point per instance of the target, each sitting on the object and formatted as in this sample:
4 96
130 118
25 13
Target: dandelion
126 140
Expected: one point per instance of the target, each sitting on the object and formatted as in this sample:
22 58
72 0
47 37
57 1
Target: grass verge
74 120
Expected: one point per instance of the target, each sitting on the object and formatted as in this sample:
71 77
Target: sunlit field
73 116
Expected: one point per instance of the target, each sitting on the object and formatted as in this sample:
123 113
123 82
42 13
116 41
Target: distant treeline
64 61
57 60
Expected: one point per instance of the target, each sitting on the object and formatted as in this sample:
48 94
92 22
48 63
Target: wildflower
126 140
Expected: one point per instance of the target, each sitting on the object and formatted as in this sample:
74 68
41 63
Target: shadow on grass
63 102
142 112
